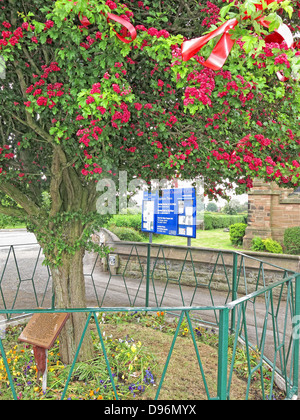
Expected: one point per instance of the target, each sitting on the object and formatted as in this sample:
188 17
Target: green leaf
225 10
250 6
249 43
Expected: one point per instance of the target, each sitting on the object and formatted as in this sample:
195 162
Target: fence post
148 273
296 333
223 353
234 288
10 379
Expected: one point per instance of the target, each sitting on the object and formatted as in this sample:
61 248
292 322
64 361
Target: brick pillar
271 210
285 213
259 212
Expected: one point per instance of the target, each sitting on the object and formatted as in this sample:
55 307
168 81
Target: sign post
41 332
174 213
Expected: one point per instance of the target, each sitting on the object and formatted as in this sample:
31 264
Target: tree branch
31 61
31 124
10 211
56 180
20 198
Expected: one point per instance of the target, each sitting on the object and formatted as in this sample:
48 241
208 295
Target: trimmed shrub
272 246
126 234
237 233
292 240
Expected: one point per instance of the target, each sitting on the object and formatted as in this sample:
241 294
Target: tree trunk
69 289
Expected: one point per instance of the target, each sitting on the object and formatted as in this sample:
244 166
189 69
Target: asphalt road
16 237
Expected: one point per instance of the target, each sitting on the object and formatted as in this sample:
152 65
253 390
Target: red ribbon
222 50
127 25
110 16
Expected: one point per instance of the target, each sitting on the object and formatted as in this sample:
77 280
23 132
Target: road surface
16 237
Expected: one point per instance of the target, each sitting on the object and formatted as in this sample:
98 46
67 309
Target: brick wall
271 211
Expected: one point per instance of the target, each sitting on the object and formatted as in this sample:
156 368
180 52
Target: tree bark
69 289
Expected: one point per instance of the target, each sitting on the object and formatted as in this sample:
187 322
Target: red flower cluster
154 32
46 92
10 37
111 4
122 114
282 59
206 79
42 101
213 14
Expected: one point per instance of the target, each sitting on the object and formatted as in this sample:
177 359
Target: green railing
255 316
21 267
273 333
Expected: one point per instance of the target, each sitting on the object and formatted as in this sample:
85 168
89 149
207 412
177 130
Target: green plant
237 233
268 245
272 246
87 371
257 244
292 240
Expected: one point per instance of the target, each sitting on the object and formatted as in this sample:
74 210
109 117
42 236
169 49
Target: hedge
9 221
211 221
292 240
133 221
219 221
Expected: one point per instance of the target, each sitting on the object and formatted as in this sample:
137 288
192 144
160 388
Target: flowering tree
79 104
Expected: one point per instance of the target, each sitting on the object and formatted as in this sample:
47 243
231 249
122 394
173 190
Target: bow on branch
222 49
110 16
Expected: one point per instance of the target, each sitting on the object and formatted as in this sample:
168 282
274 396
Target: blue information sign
174 213
149 211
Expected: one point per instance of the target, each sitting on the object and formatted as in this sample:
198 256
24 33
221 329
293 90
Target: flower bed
130 365
137 345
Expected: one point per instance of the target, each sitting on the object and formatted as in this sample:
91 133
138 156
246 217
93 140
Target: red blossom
90 100
42 101
111 4
116 88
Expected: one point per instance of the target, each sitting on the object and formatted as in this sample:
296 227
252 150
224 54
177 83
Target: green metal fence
254 316
21 268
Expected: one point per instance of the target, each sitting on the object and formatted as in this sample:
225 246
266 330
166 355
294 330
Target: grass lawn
205 239
10 227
